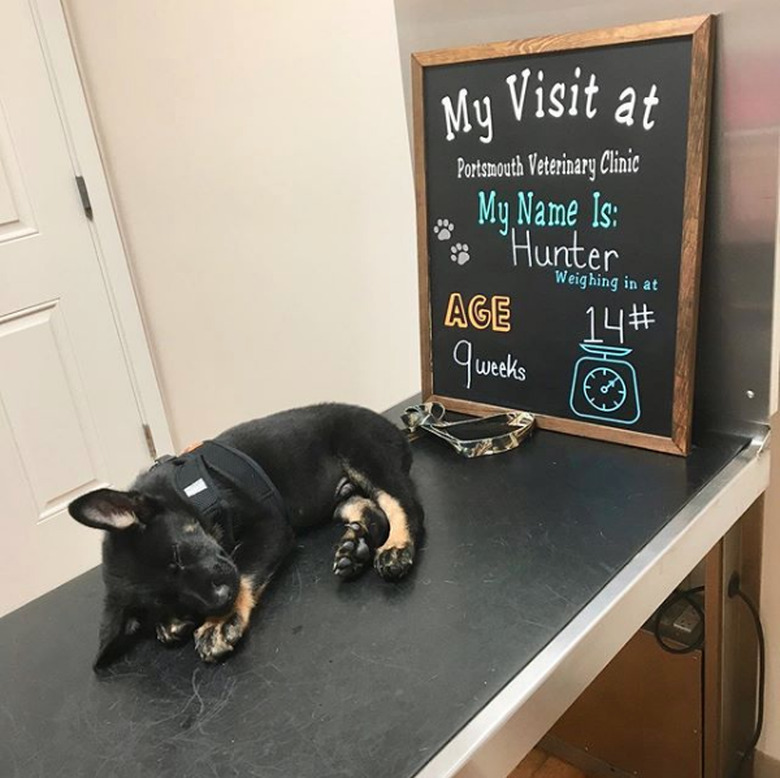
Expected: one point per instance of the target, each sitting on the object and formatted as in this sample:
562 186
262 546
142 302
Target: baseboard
765 766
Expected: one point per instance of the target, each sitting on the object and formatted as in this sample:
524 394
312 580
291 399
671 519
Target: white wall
258 156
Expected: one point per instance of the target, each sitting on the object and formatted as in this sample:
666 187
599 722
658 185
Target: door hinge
86 203
150 441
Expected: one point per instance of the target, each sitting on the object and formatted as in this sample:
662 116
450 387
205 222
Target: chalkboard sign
560 194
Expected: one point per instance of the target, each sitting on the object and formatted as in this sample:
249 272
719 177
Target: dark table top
351 679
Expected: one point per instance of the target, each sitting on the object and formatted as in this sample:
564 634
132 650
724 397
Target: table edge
511 724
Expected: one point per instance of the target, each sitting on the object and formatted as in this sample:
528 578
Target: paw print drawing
460 253
443 229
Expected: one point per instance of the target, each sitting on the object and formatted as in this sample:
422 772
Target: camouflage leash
463 435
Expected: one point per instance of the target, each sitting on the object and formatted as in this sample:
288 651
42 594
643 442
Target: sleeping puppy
195 540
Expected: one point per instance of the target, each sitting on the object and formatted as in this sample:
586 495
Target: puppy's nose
221 593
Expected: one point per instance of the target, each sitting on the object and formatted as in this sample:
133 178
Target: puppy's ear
116 633
112 510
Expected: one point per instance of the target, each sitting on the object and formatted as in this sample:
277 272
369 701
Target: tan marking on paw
211 642
226 631
399 536
351 512
247 598
207 625
172 631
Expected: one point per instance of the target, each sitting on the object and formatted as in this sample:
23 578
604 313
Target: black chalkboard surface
560 187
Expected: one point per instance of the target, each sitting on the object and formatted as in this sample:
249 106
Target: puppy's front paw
352 553
216 638
174 631
394 562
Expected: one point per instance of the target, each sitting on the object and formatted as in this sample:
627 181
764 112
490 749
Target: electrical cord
673 599
735 591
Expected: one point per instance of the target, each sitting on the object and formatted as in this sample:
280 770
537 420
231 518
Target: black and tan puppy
196 539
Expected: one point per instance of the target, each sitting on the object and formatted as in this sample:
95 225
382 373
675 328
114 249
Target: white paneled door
69 416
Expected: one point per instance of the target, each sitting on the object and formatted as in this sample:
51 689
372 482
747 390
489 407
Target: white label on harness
196 487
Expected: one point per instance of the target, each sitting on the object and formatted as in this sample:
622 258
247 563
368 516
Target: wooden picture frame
700 30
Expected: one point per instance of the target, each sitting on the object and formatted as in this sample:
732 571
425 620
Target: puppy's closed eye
176 566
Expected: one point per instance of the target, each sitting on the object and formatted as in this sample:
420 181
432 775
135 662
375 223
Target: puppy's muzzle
223 594
223 587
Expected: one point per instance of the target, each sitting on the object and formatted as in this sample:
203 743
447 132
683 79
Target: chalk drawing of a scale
604 385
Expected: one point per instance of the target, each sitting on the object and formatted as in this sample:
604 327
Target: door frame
68 89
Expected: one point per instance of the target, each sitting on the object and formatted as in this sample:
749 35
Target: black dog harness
194 478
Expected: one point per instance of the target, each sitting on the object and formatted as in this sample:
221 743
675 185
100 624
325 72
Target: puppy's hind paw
395 562
353 552
215 639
